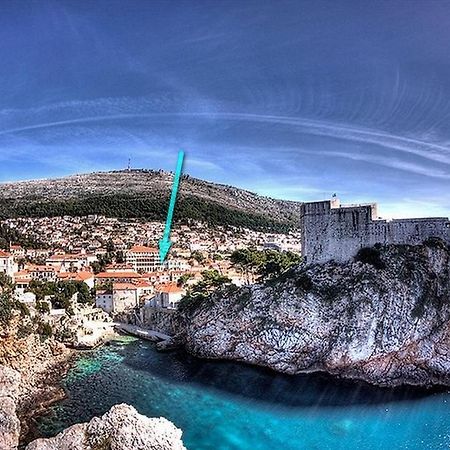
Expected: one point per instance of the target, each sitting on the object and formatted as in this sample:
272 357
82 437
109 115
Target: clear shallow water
227 406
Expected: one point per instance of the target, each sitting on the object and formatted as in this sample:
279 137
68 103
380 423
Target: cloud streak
426 150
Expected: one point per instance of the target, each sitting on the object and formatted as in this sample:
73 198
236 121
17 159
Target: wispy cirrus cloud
409 145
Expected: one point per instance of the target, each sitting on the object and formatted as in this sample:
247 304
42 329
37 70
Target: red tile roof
170 288
64 257
77 276
22 277
118 275
124 267
150 274
143 249
143 284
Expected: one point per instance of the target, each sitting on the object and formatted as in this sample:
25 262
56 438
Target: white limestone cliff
388 325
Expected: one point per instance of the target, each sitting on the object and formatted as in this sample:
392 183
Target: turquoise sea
228 406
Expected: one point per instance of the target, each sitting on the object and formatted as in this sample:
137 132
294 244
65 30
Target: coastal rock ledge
121 428
383 318
9 422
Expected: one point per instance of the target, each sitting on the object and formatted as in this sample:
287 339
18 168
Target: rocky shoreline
120 428
47 391
41 364
36 397
34 384
9 422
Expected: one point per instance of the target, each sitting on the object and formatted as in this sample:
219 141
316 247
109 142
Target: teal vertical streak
173 196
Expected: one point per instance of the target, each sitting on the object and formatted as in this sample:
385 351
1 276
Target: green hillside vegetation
146 207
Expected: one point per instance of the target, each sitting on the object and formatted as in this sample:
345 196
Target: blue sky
296 100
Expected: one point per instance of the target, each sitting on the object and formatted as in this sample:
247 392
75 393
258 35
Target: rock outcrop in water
9 422
385 320
121 428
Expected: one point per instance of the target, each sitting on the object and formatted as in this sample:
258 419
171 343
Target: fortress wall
415 231
314 223
331 231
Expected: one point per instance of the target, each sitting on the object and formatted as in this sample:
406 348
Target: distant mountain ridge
144 194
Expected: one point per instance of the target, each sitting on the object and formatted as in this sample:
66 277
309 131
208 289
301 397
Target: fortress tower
331 231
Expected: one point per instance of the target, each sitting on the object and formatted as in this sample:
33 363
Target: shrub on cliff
372 256
304 282
24 310
7 302
6 309
42 307
45 330
277 262
434 242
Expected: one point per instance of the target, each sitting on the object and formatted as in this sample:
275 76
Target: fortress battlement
332 231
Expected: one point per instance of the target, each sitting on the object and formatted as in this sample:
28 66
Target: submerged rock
384 319
121 428
9 422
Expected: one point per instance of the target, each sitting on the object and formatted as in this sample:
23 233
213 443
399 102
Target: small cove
228 406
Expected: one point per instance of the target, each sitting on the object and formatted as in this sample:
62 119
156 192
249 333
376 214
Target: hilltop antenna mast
129 165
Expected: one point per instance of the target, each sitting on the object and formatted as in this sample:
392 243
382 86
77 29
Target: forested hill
145 194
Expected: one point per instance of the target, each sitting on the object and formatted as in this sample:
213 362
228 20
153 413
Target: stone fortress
331 231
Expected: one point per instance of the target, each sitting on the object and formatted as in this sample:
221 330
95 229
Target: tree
42 307
120 257
61 292
110 246
248 261
372 256
101 263
41 289
184 279
6 308
277 262
211 281
264 263
45 330
84 293
6 283
104 286
198 256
